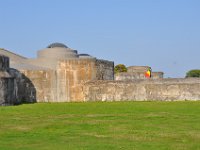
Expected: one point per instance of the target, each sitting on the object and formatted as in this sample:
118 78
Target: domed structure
53 45
57 51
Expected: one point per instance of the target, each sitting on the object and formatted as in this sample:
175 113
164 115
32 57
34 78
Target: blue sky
163 34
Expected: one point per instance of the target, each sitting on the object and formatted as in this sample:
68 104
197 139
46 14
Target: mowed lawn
101 126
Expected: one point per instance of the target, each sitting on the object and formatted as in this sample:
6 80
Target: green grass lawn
101 126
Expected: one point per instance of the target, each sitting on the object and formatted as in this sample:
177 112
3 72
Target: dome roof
57 51
84 56
53 45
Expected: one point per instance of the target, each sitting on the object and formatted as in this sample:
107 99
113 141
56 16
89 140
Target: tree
120 68
193 73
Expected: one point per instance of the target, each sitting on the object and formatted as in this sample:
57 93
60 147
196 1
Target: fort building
61 74
56 74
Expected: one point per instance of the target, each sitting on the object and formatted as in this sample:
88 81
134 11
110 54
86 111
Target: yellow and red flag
148 73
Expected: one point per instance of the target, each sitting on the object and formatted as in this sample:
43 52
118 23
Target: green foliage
193 73
101 126
120 68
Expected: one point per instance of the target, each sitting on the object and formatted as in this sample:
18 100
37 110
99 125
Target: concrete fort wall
63 84
143 90
60 85
70 75
73 73
34 85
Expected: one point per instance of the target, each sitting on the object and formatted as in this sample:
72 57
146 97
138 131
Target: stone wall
143 90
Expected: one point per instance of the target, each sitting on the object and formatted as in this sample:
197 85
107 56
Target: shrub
120 68
193 73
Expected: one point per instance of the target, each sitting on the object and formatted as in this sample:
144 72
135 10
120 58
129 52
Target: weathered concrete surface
27 81
4 63
63 84
72 73
7 93
143 90
104 70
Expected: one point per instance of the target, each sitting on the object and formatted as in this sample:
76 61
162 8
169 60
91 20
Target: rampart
143 90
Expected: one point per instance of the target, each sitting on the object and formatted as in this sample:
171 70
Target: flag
148 73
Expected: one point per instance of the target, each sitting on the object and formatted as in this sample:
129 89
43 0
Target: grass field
101 126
